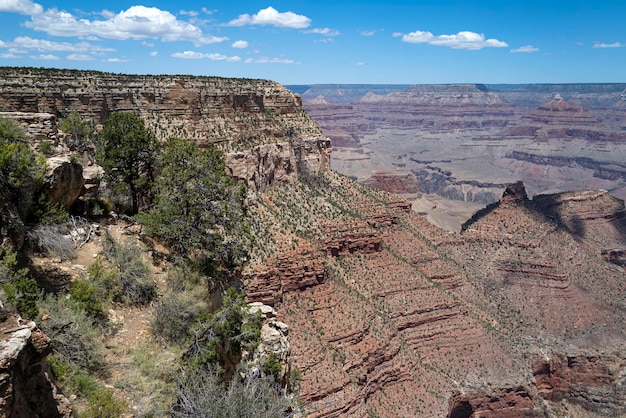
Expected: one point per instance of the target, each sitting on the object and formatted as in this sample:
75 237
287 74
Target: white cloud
324 31
529 49
189 13
270 60
137 22
154 53
462 40
26 43
9 55
80 57
208 11
200 55
396 34
240 44
360 64
367 32
107 14
115 60
23 7
611 45
45 57
272 17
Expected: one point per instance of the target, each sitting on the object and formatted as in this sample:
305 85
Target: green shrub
20 290
134 287
74 336
21 172
103 404
100 401
177 311
47 212
93 292
45 147
272 366
221 337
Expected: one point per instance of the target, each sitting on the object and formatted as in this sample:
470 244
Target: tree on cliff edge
198 209
127 152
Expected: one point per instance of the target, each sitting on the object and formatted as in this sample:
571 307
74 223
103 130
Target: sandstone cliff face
260 124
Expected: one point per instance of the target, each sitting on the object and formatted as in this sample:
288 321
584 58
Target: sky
320 42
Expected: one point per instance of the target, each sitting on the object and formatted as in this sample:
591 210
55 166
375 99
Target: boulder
64 180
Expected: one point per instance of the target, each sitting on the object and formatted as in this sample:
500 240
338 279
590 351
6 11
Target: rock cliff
260 124
25 381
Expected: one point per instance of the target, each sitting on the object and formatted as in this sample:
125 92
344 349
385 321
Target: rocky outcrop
346 236
273 346
394 182
26 389
290 271
63 180
506 403
38 126
596 382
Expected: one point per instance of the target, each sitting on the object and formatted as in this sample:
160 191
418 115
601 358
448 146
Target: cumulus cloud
462 40
115 60
200 55
240 44
23 7
137 22
611 45
324 31
270 60
272 17
26 43
528 49
80 57
154 53
45 57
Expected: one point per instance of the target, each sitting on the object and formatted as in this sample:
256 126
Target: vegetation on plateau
184 199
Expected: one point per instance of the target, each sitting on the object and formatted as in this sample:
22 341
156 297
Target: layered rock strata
429 323
260 124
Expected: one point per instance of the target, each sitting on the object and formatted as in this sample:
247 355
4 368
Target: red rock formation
393 182
506 403
346 236
290 271
590 380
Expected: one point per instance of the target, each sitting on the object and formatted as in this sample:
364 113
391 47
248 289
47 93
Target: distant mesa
319 100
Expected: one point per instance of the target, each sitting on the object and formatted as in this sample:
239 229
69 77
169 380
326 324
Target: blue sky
305 42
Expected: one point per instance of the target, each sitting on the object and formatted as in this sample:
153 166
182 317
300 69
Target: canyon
466 143
518 311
